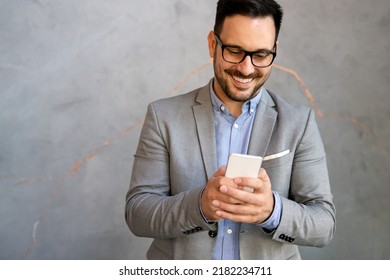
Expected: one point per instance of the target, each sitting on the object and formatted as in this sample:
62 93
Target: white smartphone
240 165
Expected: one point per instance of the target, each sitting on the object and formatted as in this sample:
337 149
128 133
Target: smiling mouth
242 80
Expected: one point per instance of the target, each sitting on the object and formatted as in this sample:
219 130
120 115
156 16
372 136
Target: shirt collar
249 106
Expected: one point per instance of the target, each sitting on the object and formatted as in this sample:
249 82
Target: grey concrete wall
75 79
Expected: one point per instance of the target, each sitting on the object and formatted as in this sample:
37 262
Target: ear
212 43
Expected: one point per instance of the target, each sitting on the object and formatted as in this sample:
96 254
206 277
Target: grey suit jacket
176 155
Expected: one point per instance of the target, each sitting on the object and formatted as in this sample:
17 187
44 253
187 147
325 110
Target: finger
237 209
220 172
258 198
241 194
227 195
263 175
241 213
251 183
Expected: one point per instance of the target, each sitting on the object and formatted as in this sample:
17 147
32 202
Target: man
178 193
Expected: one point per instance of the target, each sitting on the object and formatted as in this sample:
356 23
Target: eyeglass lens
237 55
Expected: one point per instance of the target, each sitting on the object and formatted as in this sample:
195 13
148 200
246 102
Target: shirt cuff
273 221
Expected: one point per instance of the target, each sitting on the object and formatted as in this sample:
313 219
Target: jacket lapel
263 126
204 119
262 130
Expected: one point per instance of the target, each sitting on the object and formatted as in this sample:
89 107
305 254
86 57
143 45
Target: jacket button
212 233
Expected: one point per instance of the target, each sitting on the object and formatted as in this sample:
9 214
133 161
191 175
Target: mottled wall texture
75 80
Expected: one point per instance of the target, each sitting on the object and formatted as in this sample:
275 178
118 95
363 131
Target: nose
246 67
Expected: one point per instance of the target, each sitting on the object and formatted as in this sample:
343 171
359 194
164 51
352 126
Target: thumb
220 172
263 175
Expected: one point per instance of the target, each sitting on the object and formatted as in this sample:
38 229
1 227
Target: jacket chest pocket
279 171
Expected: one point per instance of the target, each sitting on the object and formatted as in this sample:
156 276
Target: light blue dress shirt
232 136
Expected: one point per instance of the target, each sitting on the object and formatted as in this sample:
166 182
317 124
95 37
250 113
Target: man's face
240 82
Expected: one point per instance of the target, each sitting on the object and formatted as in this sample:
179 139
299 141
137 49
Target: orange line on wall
365 129
79 163
186 78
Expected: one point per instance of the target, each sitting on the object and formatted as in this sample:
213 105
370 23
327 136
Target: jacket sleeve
151 209
308 215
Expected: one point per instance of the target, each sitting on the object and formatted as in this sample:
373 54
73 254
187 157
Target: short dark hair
250 8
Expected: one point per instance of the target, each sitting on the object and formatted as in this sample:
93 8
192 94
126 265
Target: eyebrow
241 48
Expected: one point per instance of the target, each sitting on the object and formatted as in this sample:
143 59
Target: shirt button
235 125
222 108
229 231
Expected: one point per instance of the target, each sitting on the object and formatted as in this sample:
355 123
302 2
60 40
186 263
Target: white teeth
244 81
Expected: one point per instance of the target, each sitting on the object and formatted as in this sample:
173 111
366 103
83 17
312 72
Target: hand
212 193
241 206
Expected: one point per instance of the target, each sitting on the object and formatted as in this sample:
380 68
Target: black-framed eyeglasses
236 55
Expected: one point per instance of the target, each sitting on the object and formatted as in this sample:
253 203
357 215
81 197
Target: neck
235 107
